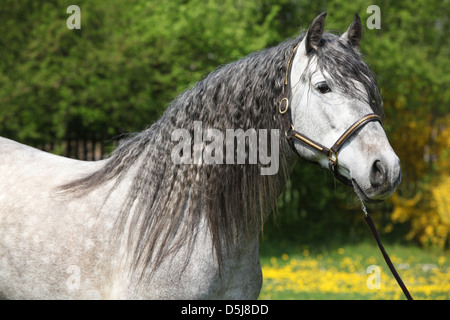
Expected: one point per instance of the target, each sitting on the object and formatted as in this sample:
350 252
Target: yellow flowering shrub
428 210
441 196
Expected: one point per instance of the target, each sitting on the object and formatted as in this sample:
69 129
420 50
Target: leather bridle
292 134
332 155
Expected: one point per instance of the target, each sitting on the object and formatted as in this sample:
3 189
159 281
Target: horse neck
170 200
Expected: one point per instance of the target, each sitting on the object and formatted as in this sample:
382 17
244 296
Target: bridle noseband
292 134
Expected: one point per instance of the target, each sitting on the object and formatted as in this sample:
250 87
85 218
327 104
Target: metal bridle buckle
287 106
333 158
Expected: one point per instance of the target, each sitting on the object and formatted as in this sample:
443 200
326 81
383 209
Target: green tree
121 70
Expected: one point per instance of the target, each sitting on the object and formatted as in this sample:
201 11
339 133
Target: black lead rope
376 235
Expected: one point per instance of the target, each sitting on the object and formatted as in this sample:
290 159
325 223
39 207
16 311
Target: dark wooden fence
82 145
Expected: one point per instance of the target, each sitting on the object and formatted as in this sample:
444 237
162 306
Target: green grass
340 272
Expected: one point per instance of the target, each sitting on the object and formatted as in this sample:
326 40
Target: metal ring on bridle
287 106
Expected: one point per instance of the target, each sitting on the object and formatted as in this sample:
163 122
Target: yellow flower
371 260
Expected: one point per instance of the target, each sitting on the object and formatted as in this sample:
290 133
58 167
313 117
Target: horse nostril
377 174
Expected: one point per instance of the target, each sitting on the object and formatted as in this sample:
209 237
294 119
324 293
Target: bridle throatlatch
332 155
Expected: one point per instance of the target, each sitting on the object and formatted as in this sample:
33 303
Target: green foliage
120 71
131 58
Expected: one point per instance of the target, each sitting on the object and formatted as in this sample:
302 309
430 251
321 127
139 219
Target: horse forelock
345 66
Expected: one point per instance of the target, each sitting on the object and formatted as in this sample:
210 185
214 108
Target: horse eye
323 87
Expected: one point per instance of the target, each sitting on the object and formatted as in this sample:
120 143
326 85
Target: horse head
332 90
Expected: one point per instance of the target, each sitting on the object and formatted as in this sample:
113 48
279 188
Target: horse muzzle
384 177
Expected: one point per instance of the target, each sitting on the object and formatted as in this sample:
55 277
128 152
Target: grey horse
140 225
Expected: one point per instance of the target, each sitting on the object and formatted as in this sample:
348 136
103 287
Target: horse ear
354 32
314 33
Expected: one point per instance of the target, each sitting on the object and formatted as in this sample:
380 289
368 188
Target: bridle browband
332 155
292 134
